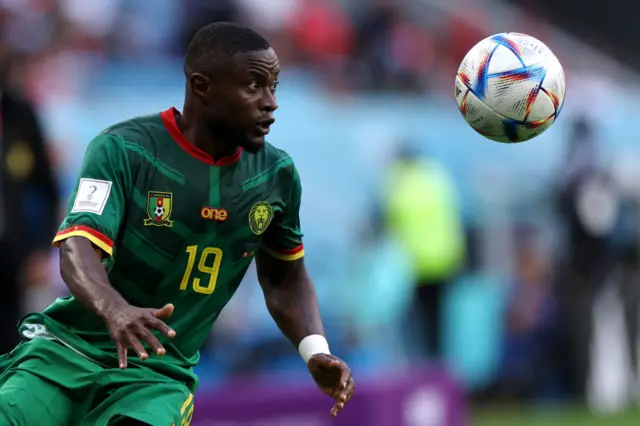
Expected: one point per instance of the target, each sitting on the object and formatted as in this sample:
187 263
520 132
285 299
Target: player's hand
333 377
129 326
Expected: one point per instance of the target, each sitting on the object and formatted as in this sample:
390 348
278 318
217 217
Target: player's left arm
292 301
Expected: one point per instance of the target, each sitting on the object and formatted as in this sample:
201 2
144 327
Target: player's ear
200 84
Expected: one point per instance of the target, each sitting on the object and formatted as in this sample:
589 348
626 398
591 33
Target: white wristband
312 345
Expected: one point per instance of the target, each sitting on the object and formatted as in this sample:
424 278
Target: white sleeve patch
92 196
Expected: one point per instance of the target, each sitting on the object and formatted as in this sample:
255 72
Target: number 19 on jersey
209 262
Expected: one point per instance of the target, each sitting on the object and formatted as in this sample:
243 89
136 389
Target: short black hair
220 41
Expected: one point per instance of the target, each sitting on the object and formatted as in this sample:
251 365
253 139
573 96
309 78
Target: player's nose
269 102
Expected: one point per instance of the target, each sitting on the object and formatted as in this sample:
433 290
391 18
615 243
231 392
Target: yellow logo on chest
260 217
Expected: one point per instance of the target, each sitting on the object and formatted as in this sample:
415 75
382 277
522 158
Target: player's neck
200 136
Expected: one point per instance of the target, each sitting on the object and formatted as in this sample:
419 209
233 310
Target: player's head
232 73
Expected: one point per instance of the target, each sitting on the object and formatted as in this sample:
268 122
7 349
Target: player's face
244 101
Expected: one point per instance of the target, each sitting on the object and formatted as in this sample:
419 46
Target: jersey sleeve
97 204
283 239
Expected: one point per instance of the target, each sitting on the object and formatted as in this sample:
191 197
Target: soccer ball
158 211
510 87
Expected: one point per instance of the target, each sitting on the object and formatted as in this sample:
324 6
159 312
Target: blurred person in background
377 297
528 367
197 13
627 265
398 53
422 213
28 202
588 212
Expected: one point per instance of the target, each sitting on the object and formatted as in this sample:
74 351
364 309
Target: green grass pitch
555 417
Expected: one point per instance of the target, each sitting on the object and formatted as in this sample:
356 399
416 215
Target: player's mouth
263 126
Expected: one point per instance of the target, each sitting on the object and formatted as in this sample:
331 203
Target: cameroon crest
159 206
260 217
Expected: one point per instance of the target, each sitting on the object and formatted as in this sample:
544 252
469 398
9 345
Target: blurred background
509 274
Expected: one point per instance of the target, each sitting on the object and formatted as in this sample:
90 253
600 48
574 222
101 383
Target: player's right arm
95 214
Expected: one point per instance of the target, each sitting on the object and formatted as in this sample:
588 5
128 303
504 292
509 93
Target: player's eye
274 86
254 85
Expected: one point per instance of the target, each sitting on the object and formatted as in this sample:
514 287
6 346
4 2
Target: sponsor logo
213 213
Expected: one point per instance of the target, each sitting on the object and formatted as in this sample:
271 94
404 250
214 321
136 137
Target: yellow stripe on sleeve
95 237
285 256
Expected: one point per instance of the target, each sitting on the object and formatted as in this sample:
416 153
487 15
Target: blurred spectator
422 212
199 13
322 30
628 267
589 209
528 367
377 296
28 204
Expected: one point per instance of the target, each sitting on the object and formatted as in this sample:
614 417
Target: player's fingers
344 397
163 313
341 400
153 341
122 354
345 393
138 348
348 392
161 326
345 375
336 408
351 388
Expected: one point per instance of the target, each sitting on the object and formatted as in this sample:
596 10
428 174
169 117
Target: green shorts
43 382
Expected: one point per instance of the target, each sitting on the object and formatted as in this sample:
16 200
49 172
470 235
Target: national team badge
159 206
260 217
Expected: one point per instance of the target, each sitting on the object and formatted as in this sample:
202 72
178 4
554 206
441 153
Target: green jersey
177 227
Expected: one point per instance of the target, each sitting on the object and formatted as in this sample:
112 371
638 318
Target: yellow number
206 266
211 270
192 250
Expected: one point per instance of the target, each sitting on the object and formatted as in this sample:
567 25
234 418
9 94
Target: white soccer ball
158 211
510 87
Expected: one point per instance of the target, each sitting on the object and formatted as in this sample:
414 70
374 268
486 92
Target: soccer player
168 213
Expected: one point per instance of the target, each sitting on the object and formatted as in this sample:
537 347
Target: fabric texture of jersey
177 227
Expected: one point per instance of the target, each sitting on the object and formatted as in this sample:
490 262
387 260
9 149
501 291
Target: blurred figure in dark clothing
396 52
627 251
28 202
588 212
198 13
528 368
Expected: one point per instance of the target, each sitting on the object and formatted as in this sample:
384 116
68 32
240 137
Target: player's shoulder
270 164
274 157
141 130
